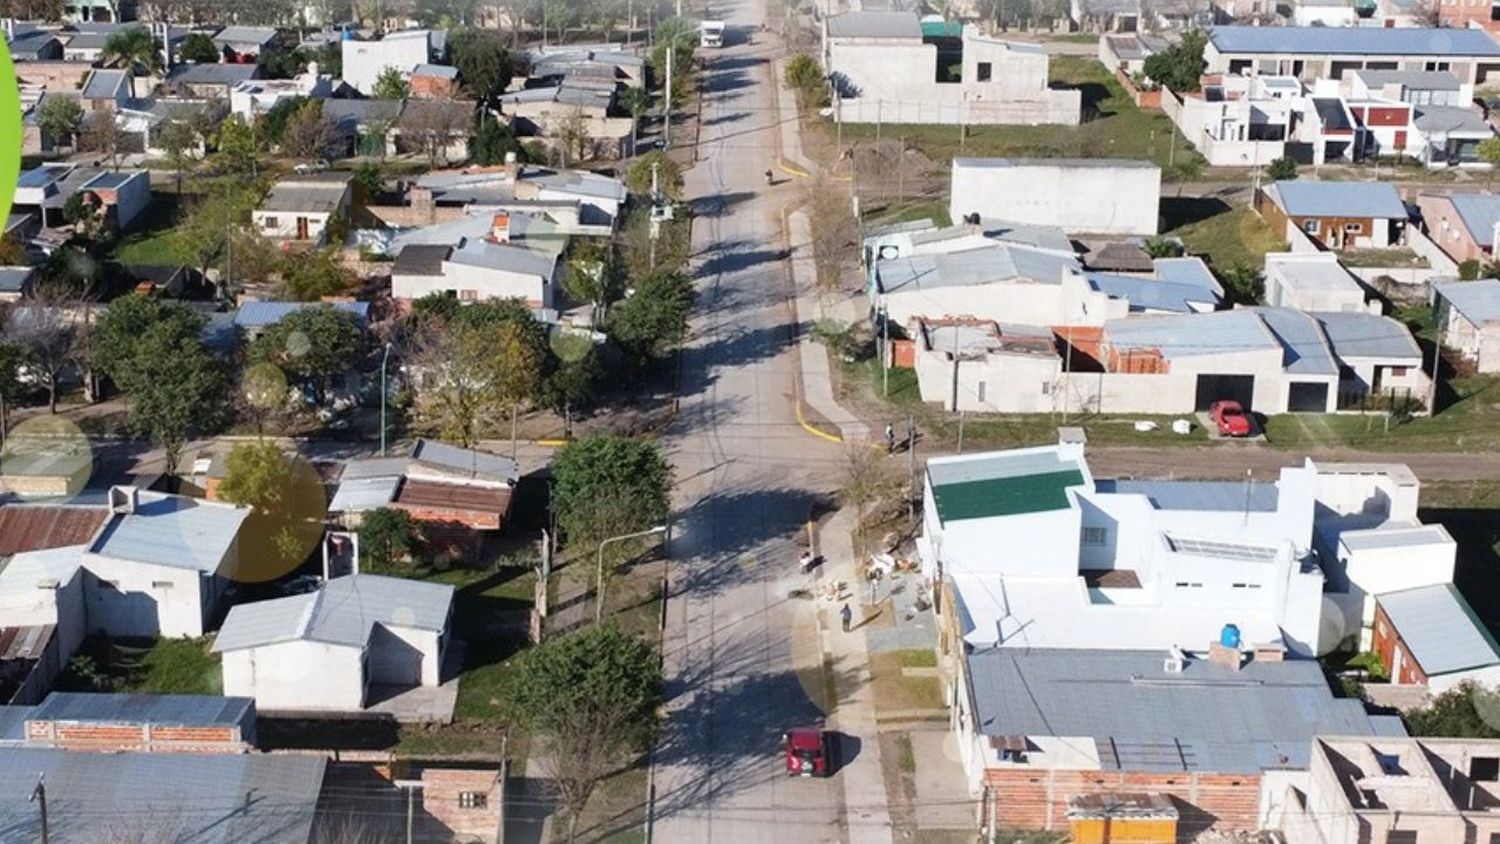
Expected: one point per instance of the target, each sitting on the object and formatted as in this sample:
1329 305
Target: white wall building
364 61
1094 196
1313 281
890 67
1468 317
301 208
480 267
324 650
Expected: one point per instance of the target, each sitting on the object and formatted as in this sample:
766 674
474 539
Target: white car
310 167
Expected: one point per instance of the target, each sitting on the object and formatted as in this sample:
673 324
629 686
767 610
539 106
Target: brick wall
1031 798
141 737
1386 640
443 798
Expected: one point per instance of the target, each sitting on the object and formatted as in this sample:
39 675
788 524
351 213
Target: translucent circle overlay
281 534
46 457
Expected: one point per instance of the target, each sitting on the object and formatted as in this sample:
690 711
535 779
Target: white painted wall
297 675
1282 292
282 225
1031 544
363 61
127 598
1098 198
476 283
997 383
62 606
404 656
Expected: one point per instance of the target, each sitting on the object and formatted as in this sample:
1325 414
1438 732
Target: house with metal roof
209 80
140 722
1317 52
1335 215
255 317
44 190
300 208
324 650
364 61
1430 636
1463 224
245 44
513 186
893 69
107 88
1040 729
1312 281
1468 318
1001 282
36 46
15 282
481 267
208 798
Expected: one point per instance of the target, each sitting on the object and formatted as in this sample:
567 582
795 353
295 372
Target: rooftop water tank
1229 637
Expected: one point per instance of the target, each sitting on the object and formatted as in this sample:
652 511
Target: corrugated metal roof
875 25
465 461
1208 718
1227 496
1151 294
212 74
1305 349
1478 301
504 257
1354 41
1340 199
202 798
424 259
440 71
257 35
576 182
176 710
1479 213
1387 537
34 527
1440 629
1417 80
358 495
454 496
20 577
999 263
262 314
172 530
1320 271
105 84
1357 335
15 279
311 194
1188 270
342 612
1443 118
1239 330
13 724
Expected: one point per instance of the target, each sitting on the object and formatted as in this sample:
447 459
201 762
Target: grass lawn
147 666
1115 128
1233 237
152 239
934 209
1469 421
894 692
615 812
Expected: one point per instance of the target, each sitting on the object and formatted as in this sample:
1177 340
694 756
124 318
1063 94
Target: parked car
1230 419
302 584
310 167
806 752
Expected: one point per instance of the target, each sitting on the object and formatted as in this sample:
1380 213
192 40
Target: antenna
1248 484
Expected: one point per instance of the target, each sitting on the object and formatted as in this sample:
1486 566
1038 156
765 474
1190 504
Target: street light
384 359
599 591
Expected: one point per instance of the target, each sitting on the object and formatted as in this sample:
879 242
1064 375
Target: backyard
144 666
153 238
1222 236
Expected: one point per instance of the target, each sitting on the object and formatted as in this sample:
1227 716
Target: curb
797 400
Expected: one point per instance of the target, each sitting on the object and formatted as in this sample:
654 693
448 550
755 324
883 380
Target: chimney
512 166
123 499
500 228
1269 653
312 71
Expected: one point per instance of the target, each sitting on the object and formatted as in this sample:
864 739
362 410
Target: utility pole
39 797
911 466
962 415
885 351
411 799
955 366
666 124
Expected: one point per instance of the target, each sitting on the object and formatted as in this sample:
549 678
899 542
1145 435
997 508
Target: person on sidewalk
846 615
890 438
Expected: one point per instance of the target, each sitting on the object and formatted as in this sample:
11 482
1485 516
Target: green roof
942 29
1009 496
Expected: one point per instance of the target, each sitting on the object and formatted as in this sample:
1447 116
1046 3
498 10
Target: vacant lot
147 666
152 238
1225 237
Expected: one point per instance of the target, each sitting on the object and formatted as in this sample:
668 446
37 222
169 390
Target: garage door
1307 398
1212 388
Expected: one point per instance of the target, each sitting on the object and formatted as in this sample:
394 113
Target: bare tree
866 479
309 133
102 134
572 132
833 230
431 126
45 333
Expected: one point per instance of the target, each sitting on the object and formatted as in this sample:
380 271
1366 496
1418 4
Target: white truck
711 34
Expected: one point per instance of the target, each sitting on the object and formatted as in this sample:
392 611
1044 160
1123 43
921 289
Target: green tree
134 49
116 344
1179 67
1469 711
591 697
310 277
311 345
12 253
607 485
1489 152
275 120
655 317
592 275
668 176
1162 247
483 63
287 63
239 147
1282 169
518 371
637 101
60 118
476 367
287 508
804 78
309 134
178 388
368 182
558 16
389 85
1243 284
198 47
386 536
179 141
11 389
491 143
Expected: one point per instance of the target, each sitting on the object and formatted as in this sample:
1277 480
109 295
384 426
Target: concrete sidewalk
854 715
817 378
788 130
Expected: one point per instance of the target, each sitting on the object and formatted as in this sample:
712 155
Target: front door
302 228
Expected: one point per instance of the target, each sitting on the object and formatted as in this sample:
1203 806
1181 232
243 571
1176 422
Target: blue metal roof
1188 271
1226 496
110 181
1149 294
1478 301
176 710
1479 213
1188 335
1341 199
440 71
1357 335
343 611
263 314
1354 41
1305 350
1440 629
171 530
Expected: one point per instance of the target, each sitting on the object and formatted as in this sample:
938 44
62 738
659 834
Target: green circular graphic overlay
10 129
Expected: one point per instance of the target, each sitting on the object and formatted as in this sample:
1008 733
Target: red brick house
1430 636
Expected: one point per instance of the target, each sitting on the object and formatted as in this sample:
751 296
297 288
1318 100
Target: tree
1179 67
804 78
386 536
1243 284
654 318
134 49
492 142
476 363
1162 247
310 277
608 485
102 134
45 335
12 253
518 371
59 118
668 176
834 231
179 388
12 358
1489 152
572 133
311 345
432 125
592 697
179 141
866 479
637 101
558 15
239 148
572 381
198 47
483 63
116 340
593 275
1469 711
389 85
308 133
274 122
287 63
1282 169
287 508
368 182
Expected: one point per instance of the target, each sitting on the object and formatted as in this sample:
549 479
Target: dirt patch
898 775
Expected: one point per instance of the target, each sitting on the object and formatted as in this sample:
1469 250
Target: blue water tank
1229 637
348 34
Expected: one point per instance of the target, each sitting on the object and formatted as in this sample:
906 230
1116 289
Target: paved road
742 659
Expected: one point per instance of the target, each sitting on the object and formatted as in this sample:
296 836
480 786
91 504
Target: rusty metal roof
485 499
26 527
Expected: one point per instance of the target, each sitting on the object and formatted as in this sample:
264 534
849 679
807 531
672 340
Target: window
1437 66
1401 836
468 295
1353 227
472 799
1398 372
269 222
1484 769
981 391
161 584
1095 536
110 584
1311 226
985 70
1046 388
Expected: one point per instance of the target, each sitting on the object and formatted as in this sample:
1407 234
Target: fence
1396 401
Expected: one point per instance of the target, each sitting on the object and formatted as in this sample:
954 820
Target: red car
806 752
1230 419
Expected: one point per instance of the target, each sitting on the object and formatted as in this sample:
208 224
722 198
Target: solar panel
1222 550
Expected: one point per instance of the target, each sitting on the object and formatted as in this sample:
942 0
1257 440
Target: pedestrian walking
890 438
846 615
